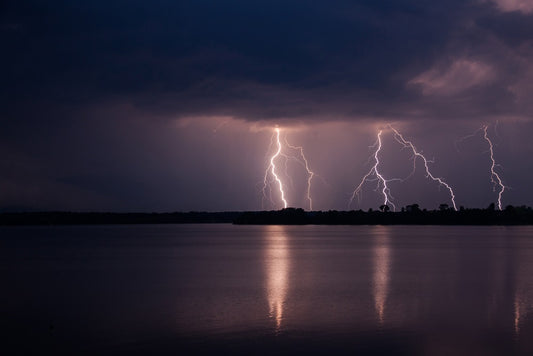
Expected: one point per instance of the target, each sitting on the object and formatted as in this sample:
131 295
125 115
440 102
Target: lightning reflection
277 272
517 308
380 280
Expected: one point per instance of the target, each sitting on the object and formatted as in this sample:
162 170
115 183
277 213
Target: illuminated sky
171 105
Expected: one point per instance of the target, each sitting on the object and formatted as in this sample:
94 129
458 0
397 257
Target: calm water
196 289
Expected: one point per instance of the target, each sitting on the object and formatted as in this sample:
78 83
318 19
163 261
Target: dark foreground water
223 289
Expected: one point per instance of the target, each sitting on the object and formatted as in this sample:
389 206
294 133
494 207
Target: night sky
171 105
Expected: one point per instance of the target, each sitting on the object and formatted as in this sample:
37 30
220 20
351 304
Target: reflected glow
516 315
522 305
523 292
277 271
380 280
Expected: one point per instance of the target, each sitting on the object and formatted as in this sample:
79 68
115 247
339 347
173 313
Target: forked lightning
385 191
271 171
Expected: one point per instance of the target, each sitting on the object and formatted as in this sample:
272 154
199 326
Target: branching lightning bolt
379 177
494 176
305 164
283 149
272 169
266 183
464 138
409 144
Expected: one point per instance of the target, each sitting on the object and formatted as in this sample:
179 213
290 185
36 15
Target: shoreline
290 216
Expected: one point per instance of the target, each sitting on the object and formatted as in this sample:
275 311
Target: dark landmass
410 215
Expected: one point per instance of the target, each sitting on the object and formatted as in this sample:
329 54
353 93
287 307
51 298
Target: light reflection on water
517 314
196 289
380 282
277 262
523 294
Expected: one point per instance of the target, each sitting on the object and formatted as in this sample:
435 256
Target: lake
211 289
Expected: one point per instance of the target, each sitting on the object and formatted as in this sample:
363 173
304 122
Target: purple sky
171 105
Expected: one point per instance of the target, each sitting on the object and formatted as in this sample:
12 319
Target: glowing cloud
525 6
462 74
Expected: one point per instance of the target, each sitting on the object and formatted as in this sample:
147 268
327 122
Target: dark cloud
208 52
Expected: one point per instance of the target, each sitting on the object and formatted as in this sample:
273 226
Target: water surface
199 289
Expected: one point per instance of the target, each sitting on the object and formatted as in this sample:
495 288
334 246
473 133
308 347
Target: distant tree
491 207
444 207
384 208
509 209
412 208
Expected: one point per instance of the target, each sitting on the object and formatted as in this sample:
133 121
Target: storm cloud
112 105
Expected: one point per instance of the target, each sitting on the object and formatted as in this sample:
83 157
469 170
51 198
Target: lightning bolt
385 191
464 138
408 144
266 183
305 164
494 176
285 151
271 169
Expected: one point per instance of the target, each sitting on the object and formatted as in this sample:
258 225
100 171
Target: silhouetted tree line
408 215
